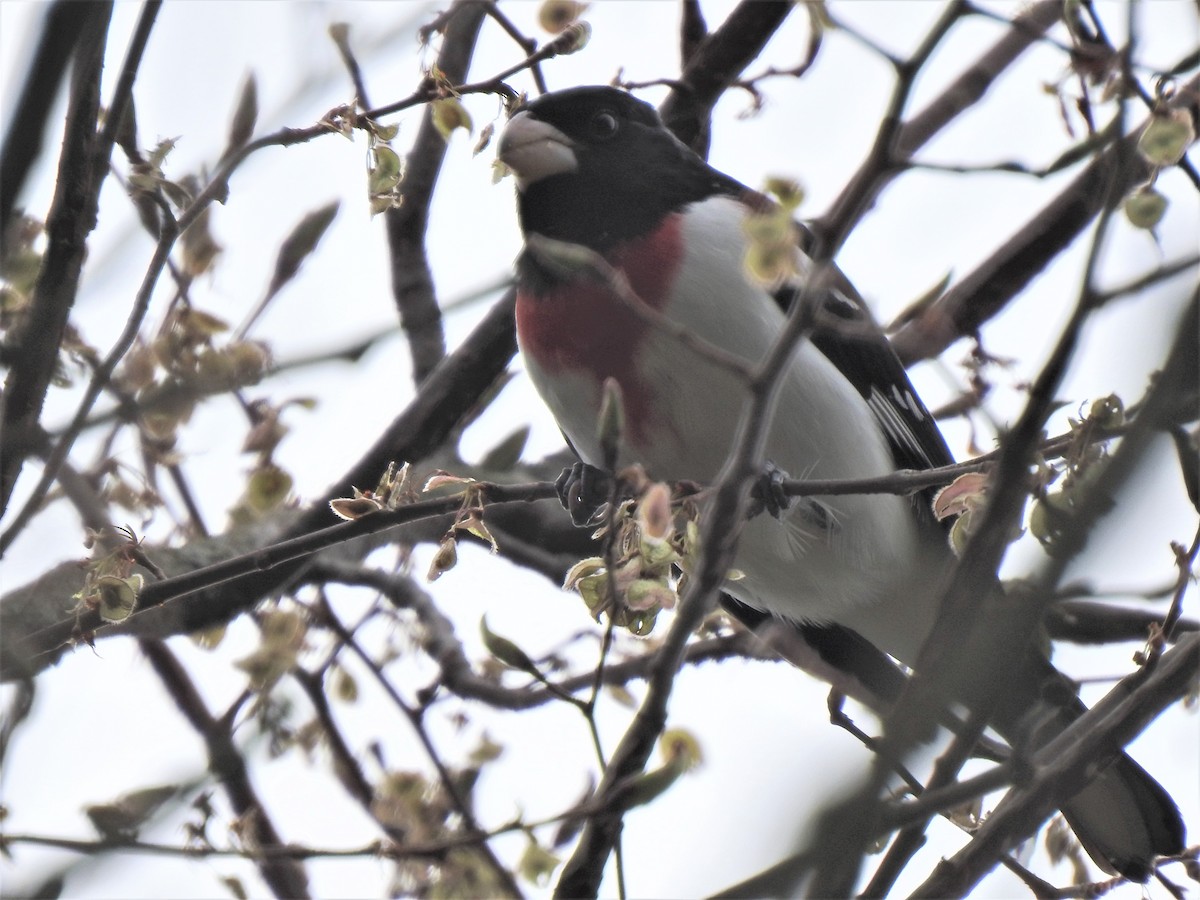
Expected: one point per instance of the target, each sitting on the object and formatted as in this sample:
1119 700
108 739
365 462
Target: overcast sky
103 725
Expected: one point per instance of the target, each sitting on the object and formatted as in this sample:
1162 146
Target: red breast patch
581 327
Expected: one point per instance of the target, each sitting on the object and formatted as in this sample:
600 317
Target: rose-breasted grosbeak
596 167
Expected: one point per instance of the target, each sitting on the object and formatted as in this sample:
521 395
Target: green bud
649 594
1108 412
118 596
444 560
506 651
1166 138
1145 208
449 114
556 16
610 424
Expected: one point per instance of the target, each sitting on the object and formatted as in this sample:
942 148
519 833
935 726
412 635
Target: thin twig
285 877
462 806
100 378
856 198
945 654
1090 742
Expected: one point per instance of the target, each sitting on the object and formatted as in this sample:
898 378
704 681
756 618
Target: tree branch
724 518
901 141
715 64
412 281
1060 767
953 652
72 217
82 168
981 294
285 877
61 27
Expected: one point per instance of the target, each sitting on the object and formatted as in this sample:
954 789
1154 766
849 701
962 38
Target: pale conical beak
534 150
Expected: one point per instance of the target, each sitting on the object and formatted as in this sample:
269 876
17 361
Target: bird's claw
768 494
583 491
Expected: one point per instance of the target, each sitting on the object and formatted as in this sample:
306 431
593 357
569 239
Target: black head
596 166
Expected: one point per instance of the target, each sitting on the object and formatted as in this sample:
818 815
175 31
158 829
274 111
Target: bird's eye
603 125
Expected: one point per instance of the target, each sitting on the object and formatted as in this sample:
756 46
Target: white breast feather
796 568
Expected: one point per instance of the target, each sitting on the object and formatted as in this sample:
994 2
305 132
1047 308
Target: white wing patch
838 297
907 400
893 414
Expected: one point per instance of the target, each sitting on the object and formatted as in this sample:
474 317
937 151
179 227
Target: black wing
848 337
837 646
854 343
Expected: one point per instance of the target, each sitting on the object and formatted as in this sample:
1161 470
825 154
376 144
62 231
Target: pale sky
103 725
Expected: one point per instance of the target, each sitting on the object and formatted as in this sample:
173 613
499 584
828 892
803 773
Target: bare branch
979 296
63 24
285 877
726 514
898 142
872 176
412 281
72 217
1089 744
716 64
949 656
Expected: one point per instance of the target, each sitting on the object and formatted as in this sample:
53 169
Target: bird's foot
583 491
768 494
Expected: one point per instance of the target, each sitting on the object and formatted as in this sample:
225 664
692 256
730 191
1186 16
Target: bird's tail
1123 818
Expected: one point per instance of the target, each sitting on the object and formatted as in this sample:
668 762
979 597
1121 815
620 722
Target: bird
596 168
